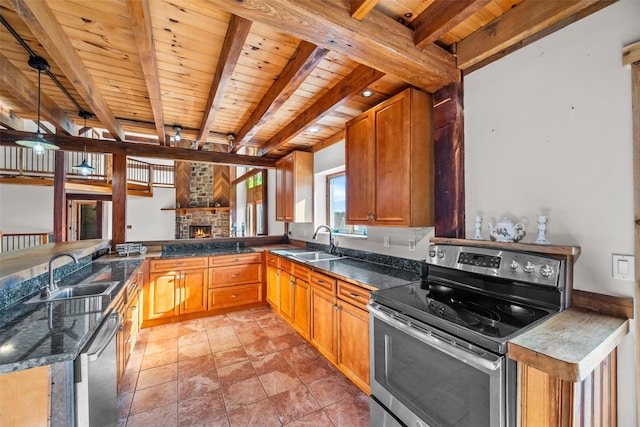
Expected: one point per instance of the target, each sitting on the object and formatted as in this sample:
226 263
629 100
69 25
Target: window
337 204
255 214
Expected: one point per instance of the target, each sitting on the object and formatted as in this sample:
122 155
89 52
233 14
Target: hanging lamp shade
85 168
38 144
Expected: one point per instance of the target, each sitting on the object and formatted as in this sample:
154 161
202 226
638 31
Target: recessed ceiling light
367 93
313 129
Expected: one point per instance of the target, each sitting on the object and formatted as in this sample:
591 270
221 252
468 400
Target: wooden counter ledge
570 345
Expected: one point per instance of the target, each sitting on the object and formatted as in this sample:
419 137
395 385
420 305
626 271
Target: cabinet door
302 316
353 343
360 170
273 288
323 322
286 295
193 291
163 299
280 190
392 157
288 188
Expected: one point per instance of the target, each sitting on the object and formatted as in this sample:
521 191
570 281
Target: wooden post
448 142
59 198
119 199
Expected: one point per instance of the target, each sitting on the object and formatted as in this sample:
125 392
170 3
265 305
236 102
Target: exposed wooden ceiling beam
377 41
9 119
360 8
140 15
26 92
132 138
45 27
631 53
301 64
71 143
355 82
524 20
237 33
246 176
441 17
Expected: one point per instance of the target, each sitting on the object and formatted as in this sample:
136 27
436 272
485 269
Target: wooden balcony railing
14 241
20 162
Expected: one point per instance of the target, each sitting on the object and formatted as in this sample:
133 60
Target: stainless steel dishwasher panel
96 395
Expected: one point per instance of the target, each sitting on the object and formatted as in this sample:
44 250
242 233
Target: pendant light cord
39 73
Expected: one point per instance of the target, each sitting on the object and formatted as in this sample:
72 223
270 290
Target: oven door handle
482 360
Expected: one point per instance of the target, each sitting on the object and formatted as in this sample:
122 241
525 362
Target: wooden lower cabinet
176 292
324 322
231 296
545 400
25 397
301 313
287 283
273 287
353 344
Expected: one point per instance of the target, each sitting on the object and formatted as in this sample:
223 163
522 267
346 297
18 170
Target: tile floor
247 368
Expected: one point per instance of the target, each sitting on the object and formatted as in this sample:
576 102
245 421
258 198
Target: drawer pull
354 295
234 296
321 282
180 263
235 275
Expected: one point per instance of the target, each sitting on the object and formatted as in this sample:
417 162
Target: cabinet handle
235 275
180 263
321 282
354 295
336 307
234 296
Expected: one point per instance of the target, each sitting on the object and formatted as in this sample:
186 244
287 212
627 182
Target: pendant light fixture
85 168
38 143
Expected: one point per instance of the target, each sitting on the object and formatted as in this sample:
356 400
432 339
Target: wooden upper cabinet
389 163
294 187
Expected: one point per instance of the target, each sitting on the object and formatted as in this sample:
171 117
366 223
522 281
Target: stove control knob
432 253
547 270
440 253
514 265
529 268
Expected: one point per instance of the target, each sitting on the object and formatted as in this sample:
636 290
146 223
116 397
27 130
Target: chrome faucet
332 246
52 286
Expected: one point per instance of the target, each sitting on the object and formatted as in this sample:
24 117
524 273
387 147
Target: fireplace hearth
199 231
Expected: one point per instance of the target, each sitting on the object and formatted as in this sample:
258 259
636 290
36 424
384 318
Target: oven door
425 377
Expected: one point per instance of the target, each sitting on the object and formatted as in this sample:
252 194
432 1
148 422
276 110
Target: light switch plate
624 267
386 241
412 245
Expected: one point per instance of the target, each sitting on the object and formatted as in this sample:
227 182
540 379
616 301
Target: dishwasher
95 373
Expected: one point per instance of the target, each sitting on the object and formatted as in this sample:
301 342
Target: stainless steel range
438 347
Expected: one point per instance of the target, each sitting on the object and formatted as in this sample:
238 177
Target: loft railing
14 241
20 162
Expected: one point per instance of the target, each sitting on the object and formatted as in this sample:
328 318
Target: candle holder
542 230
478 234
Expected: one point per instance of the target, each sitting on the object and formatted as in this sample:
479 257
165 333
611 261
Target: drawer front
231 296
179 263
300 271
235 259
353 294
235 275
285 265
273 260
324 282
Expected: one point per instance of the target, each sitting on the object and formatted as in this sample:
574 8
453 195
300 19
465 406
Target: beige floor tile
349 412
224 343
158 359
195 350
192 366
158 375
199 383
278 381
316 419
236 372
165 416
258 414
193 338
230 356
260 348
155 396
269 363
294 404
329 390
242 393
206 410
167 344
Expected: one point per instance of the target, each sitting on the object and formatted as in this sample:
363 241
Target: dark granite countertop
186 253
374 275
43 333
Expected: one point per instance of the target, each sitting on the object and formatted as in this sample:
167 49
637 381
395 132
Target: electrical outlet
386 241
412 245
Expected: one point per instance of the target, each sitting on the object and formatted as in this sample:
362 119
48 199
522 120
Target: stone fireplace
202 207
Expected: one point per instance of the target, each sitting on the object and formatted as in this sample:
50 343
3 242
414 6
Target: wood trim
41 21
14 81
237 33
351 85
333 139
119 201
377 41
246 176
59 198
448 142
140 16
635 112
441 17
360 8
72 143
524 20
526 247
302 63
8 118
604 304
631 53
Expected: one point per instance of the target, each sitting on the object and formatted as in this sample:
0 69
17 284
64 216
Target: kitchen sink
81 290
315 256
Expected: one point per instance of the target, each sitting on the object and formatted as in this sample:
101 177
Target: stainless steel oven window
421 376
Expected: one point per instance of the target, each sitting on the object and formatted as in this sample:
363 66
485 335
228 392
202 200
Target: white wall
548 130
26 211
145 218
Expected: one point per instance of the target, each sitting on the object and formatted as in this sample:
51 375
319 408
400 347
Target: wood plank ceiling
245 78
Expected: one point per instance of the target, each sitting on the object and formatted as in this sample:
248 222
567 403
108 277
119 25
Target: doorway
86 219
